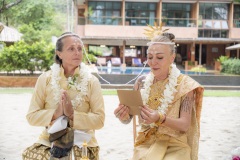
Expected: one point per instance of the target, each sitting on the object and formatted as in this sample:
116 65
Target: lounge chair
101 61
136 62
116 61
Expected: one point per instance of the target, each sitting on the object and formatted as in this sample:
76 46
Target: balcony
104 20
213 24
137 21
179 22
133 27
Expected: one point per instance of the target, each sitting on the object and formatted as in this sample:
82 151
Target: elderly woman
68 90
172 102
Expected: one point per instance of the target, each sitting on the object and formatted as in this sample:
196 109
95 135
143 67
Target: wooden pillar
123 51
123 65
123 13
200 54
196 13
230 19
227 52
159 9
238 53
193 51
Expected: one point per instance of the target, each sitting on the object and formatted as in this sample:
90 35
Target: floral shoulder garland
170 89
79 82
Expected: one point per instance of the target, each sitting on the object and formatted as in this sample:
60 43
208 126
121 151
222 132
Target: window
213 20
210 33
177 14
140 13
214 11
236 16
108 13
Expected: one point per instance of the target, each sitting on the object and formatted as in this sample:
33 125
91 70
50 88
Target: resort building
203 28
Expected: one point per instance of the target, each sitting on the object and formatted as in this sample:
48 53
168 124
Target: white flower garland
81 87
167 93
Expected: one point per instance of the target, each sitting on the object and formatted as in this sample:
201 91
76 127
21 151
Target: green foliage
199 69
231 66
191 63
37 13
221 93
113 92
91 58
221 59
30 35
89 12
36 20
22 56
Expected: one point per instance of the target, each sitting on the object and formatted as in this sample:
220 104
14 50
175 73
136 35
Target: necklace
167 93
79 82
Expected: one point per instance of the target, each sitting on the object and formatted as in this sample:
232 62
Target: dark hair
59 45
170 36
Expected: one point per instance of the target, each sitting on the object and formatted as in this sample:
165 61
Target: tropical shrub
231 66
221 59
90 57
22 56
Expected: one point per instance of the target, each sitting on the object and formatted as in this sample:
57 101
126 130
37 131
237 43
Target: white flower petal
81 87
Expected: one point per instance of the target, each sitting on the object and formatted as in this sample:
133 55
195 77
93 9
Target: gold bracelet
165 117
162 118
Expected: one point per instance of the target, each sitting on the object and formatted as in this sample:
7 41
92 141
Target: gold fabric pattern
154 135
155 95
93 153
36 152
40 152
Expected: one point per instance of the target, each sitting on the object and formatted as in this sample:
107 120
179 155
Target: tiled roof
9 34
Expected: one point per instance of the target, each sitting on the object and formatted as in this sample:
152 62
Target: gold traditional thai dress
163 143
88 116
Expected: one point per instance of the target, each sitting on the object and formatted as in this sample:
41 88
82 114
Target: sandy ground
220 129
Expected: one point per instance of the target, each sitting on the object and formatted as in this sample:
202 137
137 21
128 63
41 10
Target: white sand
220 128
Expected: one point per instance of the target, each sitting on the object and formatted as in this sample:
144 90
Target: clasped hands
147 115
64 106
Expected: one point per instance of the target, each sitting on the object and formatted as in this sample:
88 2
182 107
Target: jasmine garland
78 82
170 89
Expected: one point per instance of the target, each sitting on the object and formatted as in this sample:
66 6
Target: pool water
137 70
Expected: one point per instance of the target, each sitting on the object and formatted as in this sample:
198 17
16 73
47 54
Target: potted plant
190 64
219 62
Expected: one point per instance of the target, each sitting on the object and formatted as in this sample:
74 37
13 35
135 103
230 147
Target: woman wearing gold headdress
172 105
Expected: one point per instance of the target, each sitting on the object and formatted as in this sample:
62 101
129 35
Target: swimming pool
137 70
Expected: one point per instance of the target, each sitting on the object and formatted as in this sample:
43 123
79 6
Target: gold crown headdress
154 31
